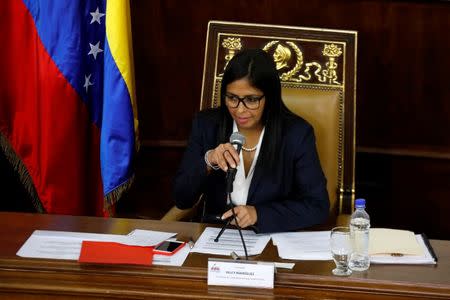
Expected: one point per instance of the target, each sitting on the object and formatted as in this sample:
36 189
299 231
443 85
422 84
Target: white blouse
241 183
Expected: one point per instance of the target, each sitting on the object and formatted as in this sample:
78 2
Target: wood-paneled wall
403 111
403 107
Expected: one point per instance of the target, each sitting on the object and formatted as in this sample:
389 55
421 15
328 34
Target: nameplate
240 273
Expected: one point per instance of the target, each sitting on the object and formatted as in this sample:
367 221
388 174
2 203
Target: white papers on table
425 258
176 259
142 237
62 244
314 245
67 245
151 238
230 241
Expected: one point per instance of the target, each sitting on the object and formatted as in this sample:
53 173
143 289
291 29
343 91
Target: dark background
402 108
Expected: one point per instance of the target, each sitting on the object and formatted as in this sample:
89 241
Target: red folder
115 253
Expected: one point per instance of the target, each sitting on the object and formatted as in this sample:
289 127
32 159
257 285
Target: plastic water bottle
359 234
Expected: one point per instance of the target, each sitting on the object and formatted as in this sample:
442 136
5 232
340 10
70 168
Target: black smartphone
168 247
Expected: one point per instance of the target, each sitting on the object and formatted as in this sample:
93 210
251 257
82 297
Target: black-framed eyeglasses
250 102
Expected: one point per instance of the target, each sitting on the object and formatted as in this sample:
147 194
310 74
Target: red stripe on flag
45 120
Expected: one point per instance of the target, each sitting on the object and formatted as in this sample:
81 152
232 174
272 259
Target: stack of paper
391 246
386 246
230 241
67 245
303 245
314 245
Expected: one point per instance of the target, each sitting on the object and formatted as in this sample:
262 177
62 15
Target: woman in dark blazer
279 184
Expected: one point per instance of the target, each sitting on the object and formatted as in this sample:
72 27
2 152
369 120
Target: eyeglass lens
251 102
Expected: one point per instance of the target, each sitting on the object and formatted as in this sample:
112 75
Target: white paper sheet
63 244
230 241
67 245
314 245
149 237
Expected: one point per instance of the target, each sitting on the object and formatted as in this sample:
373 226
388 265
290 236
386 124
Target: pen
191 243
428 245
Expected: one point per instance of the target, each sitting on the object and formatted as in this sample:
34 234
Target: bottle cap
360 203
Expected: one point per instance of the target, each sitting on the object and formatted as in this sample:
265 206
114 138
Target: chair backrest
317 69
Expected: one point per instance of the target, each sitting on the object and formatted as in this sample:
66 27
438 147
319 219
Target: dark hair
258 67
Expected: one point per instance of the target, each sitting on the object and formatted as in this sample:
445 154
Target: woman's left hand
245 215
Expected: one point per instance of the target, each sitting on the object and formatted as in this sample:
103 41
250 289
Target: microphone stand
230 180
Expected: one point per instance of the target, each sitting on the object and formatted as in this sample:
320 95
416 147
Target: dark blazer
292 196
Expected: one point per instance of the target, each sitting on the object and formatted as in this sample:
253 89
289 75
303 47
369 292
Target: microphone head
237 138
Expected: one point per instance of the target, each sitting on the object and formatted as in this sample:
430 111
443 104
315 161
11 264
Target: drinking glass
341 248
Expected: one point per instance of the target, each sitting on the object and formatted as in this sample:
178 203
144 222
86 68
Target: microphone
237 140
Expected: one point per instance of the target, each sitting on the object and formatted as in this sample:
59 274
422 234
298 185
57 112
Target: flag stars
87 82
96 15
95 49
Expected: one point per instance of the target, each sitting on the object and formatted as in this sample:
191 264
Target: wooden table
59 279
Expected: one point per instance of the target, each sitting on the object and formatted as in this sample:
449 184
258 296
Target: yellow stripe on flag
118 34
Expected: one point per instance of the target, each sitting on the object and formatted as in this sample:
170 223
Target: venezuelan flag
68 118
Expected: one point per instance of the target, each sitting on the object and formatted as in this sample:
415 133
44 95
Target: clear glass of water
341 249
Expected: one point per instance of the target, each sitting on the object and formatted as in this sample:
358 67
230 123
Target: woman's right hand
224 156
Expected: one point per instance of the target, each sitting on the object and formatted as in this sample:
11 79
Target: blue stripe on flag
117 134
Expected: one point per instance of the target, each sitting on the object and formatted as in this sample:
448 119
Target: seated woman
279 184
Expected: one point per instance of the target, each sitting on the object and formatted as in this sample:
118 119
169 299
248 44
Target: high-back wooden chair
317 68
